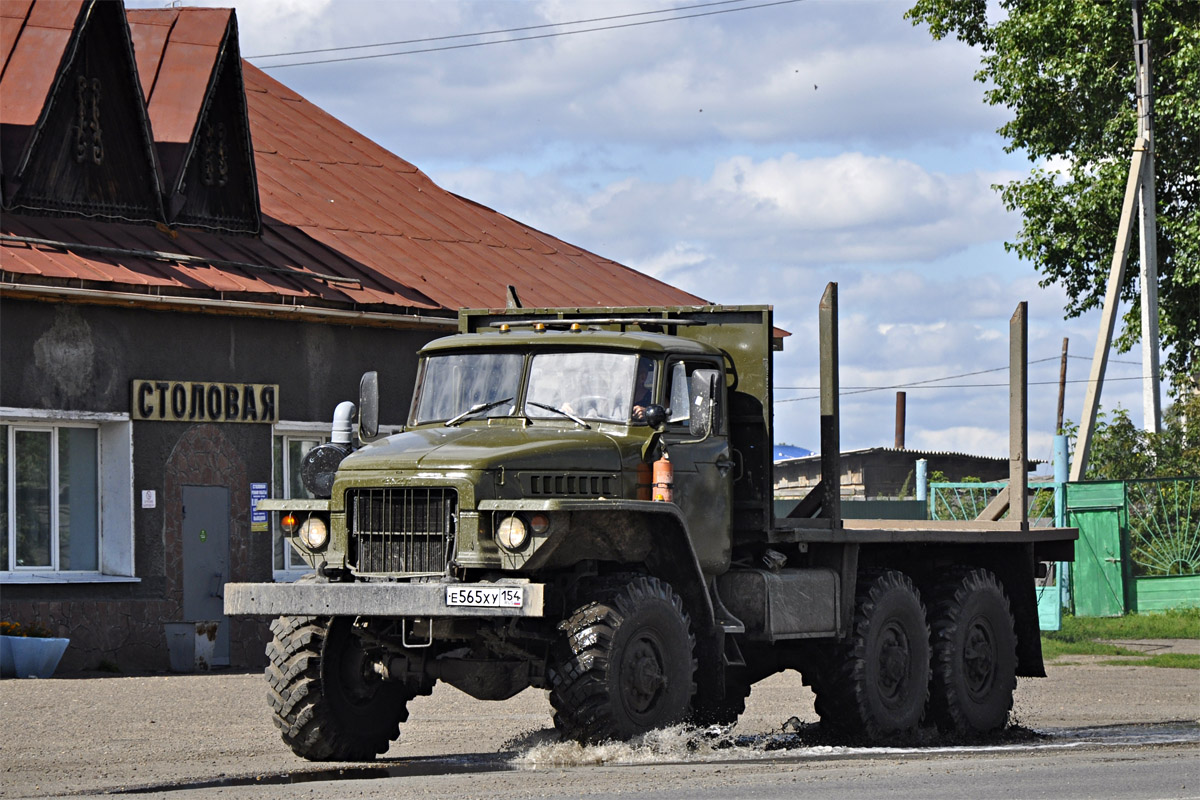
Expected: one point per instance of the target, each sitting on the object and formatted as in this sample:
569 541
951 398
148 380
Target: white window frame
289 430
115 530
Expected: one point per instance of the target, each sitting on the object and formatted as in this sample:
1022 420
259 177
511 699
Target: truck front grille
402 530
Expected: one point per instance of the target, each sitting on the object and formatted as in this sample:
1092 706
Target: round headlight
314 533
511 533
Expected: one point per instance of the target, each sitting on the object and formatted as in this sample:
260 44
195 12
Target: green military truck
581 501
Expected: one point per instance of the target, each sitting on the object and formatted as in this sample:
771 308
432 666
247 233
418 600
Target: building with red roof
196 264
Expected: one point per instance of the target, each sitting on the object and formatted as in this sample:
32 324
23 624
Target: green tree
1123 451
1065 69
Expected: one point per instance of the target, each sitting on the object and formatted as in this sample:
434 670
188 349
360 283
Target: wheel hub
642 675
893 662
979 658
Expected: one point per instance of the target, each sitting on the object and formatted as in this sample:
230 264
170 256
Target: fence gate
1102 583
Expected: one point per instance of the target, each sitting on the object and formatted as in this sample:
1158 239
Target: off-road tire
326 704
624 664
875 683
974 654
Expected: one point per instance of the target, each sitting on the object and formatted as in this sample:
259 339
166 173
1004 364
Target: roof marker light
576 327
540 327
505 328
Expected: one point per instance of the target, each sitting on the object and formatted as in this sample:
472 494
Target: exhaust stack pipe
343 422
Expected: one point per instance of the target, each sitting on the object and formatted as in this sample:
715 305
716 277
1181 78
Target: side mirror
704 404
656 416
368 406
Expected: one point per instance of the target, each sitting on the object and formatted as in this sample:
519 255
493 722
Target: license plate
485 597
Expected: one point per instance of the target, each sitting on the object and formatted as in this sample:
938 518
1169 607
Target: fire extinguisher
664 478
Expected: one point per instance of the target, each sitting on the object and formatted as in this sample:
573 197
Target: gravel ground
93 733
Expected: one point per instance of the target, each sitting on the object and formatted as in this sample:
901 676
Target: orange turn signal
288 523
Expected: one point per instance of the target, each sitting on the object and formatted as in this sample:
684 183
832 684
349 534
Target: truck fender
626 532
622 531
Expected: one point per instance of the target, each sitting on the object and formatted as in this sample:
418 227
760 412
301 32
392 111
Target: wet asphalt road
1085 731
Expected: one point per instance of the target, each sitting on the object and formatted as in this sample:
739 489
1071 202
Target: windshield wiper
566 414
475 409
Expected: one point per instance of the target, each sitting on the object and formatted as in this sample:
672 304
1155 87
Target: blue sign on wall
258 519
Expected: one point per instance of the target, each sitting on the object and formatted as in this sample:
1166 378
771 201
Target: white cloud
759 215
741 77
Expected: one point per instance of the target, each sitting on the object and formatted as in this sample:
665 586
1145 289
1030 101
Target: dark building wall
71 356
78 357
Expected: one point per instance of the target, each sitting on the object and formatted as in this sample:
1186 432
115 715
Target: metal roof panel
149 42
30 72
15 9
61 14
203 26
180 89
10 31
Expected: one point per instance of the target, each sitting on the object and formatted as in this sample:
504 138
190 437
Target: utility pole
1062 387
1148 231
1138 190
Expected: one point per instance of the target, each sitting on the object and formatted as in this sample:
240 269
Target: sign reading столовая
187 401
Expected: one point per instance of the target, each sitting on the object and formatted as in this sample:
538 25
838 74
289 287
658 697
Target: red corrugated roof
333 202
35 36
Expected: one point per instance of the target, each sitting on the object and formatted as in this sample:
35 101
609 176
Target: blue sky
748 157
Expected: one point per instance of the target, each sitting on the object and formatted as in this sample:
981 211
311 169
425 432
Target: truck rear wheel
974 657
325 698
876 682
625 664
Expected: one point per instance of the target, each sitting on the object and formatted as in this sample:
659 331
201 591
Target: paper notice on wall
258 519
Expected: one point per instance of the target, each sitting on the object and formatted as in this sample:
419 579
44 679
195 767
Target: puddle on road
682 744
800 740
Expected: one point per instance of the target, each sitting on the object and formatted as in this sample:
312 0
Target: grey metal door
206 560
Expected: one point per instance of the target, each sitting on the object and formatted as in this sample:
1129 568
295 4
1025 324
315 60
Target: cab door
697 441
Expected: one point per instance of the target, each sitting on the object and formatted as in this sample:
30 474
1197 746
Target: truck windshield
592 385
588 385
451 385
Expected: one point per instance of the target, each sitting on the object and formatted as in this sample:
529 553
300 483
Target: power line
495 32
918 383
1110 361
865 390
527 38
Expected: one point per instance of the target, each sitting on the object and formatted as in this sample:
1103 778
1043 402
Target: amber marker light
539 523
540 327
288 523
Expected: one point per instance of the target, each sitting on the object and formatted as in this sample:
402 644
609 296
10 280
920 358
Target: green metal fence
1139 541
965 501
1164 526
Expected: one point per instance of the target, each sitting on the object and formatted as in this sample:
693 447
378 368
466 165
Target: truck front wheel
974 654
876 682
625 663
326 699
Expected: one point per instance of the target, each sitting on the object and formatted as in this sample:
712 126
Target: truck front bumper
425 600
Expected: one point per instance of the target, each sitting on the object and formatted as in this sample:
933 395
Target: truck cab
505 426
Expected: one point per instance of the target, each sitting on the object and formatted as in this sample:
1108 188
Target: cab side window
691 383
